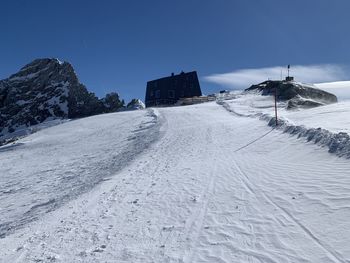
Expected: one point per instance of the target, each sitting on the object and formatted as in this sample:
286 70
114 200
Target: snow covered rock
44 89
297 94
299 101
136 104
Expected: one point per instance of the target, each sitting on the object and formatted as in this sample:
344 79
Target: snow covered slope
45 170
327 126
214 187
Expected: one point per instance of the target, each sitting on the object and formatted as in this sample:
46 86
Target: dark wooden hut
168 90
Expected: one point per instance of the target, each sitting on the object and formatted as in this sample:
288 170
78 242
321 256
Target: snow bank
336 142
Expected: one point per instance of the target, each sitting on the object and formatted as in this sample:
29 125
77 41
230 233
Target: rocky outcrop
112 102
295 93
136 104
43 90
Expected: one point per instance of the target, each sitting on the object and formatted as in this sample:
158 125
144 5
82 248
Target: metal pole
276 106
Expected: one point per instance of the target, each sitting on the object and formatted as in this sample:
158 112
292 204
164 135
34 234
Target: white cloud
243 78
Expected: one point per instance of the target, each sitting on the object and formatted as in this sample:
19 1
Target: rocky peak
42 90
41 64
35 93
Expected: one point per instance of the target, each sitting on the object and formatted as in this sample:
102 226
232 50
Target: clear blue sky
119 45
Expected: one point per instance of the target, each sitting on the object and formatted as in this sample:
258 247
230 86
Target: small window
157 94
151 93
171 94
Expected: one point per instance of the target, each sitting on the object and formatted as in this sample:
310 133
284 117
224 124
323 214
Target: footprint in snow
100 249
168 228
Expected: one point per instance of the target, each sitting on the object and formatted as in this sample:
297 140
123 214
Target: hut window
171 94
157 94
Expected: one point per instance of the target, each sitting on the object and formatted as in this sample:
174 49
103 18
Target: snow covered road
203 192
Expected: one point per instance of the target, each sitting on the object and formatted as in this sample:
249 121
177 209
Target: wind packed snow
201 183
340 88
327 126
47 169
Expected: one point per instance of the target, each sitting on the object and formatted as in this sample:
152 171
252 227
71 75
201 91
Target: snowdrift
256 106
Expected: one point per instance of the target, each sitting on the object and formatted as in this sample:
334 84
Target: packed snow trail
190 197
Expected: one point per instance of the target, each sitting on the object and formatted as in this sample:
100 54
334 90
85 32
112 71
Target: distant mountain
44 90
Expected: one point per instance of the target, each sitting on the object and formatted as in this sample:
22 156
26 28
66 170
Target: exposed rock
298 102
44 89
135 104
112 102
297 94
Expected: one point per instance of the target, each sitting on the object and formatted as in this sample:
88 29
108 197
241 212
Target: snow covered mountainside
208 184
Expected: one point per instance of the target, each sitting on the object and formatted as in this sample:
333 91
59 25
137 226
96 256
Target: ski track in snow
191 197
45 170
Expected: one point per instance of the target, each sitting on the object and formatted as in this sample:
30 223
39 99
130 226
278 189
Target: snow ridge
337 143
